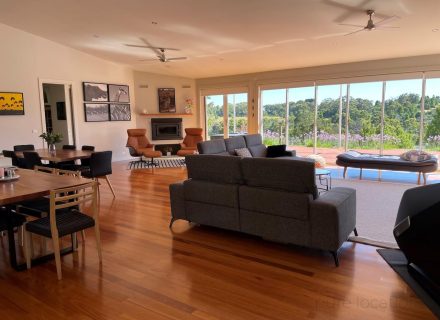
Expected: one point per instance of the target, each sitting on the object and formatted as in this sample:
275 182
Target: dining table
31 185
59 155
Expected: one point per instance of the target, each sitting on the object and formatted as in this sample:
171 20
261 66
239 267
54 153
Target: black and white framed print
96 112
95 92
120 112
118 93
167 100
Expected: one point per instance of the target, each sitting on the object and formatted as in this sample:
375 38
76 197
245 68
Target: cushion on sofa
214 168
216 146
234 143
253 139
283 174
220 194
243 152
276 151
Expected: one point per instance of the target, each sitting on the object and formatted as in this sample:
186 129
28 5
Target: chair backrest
24 147
86 162
193 136
137 138
88 148
44 169
72 197
70 173
69 147
31 159
133 152
13 156
101 164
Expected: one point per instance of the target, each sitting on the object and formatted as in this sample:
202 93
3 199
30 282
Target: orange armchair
189 144
138 142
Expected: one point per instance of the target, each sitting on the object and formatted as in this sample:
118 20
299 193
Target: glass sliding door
274 115
330 134
214 117
301 119
431 121
365 114
237 113
226 115
402 116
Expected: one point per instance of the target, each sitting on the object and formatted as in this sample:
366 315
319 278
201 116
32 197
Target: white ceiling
224 37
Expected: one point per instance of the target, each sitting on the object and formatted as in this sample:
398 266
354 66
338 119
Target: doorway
57 110
226 115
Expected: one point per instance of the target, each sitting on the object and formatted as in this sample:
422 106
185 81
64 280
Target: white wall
146 85
25 58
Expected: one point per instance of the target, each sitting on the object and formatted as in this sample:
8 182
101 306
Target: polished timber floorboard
193 272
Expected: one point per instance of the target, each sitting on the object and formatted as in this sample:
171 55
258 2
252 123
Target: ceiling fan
159 51
371 25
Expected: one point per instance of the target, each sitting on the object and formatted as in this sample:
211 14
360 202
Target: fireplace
166 128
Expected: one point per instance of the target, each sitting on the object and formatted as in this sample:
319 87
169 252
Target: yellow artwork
11 103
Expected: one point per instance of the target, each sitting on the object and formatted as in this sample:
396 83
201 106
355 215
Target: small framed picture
167 100
11 104
118 93
95 92
96 112
120 112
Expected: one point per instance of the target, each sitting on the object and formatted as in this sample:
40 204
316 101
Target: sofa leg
171 222
335 257
355 232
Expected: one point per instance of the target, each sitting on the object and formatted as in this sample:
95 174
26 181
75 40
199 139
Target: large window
237 113
214 116
378 117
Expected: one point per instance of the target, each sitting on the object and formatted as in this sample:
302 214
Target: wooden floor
192 272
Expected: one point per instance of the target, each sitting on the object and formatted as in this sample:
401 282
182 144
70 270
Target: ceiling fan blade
135 45
386 20
350 10
348 34
152 59
149 46
351 25
177 58
387 27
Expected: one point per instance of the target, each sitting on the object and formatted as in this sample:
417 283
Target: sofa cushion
253 139
214 168
234 143
258 151
283 174
243 152
275 202
276 151
212 193
216 146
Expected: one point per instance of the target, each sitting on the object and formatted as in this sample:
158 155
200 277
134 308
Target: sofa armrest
333 218
177 199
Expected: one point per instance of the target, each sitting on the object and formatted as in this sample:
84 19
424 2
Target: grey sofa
226 147
276 199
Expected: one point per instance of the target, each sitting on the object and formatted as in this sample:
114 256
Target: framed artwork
167 100
120 112
95 92
96 112
11 103
118 93
61 110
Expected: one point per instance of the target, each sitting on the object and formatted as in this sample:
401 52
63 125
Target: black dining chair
69 147
24 147
9 221
32 159
100 167
86 162
16 161
67 165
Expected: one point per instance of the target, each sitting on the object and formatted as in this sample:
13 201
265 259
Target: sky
368 90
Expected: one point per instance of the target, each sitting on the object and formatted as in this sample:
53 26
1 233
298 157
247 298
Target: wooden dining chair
65 219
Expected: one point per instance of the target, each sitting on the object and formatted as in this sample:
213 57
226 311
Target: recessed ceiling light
95 36
153 22
435 30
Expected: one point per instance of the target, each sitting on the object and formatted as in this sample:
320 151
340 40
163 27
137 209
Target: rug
376 209
166 162
397 260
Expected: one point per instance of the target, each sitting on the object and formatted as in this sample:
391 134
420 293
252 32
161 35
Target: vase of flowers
188 105
51 138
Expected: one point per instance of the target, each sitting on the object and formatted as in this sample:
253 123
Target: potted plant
51 138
